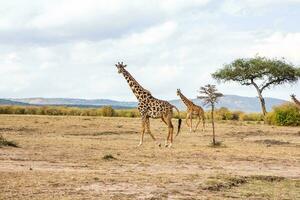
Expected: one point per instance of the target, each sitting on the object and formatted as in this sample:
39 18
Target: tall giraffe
296 101
150 107
192 109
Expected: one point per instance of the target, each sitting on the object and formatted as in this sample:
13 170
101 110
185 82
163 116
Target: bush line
283 115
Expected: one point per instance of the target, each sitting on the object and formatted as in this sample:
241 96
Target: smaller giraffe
192 110
296 101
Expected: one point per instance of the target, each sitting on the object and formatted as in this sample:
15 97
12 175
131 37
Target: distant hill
9 102
76 102
233 102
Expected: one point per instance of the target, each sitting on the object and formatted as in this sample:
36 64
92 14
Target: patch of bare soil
103 133
45 166
250 168
135 190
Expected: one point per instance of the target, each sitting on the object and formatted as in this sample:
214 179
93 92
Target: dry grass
5 142
97 158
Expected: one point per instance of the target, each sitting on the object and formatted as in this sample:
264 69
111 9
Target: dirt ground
69 157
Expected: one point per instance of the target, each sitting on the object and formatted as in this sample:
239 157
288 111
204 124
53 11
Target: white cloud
152 35
280 45
69 48
253 7
52 22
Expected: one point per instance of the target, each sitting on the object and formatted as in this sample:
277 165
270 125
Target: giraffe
192 109
150 107
296 101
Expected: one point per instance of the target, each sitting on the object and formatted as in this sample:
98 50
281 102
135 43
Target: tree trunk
213 123
261 99
263 104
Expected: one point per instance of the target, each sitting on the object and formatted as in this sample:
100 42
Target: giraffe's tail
179 121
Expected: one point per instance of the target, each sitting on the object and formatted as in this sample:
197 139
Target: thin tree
210 96
260 72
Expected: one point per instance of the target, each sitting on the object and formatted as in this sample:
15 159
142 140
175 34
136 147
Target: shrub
270 118
182 115
236 115
223 113
252 117
128 113
284 115
107 111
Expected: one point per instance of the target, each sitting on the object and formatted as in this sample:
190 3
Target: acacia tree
259 72
210 96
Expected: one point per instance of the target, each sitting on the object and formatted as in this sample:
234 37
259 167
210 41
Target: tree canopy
210 94
260 71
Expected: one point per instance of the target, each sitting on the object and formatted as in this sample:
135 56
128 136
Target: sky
69 48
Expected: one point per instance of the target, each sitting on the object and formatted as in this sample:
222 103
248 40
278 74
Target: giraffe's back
155 108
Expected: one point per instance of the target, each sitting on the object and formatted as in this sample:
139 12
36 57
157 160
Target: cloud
279 45
253 7
91 20
152 35
69 48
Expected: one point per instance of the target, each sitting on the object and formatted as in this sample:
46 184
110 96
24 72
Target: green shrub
284 115
223 113
107 111
128 113
236 115
251 117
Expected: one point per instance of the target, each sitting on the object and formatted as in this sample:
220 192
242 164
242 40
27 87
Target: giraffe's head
120 66
178 92
293 96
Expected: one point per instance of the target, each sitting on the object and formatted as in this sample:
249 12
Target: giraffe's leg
203 121
143 131
168 138
187 120
171 129
149 131
198 122
165 120
191 122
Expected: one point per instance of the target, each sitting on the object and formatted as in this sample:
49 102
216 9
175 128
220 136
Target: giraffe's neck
136 88
296 101
185 100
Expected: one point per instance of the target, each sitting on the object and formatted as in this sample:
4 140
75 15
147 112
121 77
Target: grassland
72 157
